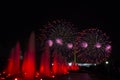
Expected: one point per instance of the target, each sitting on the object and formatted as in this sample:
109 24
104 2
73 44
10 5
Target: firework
93 46
60 36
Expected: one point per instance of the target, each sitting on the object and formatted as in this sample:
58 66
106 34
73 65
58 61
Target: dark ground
85 76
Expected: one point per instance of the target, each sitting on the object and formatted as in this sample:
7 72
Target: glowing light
53 76
106 62
41 79
84 44
70 45
108 48
50 43
95 64
52 64
70 64
98 45
59 41
15 79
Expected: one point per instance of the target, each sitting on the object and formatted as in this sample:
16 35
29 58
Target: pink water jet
28 66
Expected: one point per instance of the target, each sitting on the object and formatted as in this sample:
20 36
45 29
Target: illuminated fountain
45 62
59 64
10 66
73 66
28 69
28 66
55 64
17 59
14 61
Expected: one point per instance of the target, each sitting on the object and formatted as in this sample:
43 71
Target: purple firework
50 43
60 35
93 46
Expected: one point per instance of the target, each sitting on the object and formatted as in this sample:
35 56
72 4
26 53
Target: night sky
18 21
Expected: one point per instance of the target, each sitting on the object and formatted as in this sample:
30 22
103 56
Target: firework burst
93 46
60 36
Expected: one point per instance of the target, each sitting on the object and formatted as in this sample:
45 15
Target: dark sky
18 21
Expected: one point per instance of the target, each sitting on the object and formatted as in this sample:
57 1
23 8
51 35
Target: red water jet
28 67
45 62
55 63
73 67
59 64
17 58
10 65
14 60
